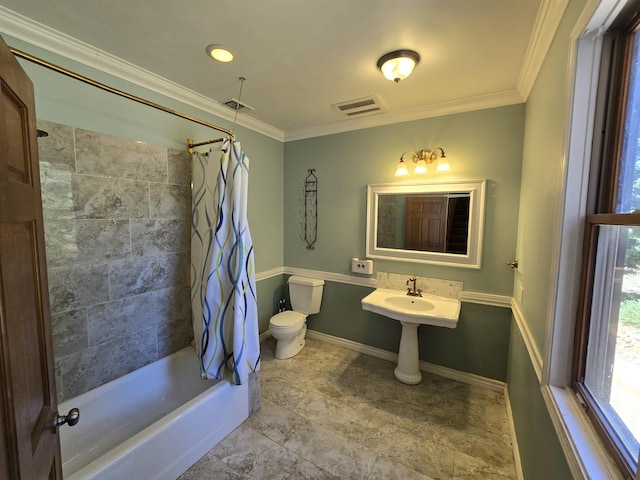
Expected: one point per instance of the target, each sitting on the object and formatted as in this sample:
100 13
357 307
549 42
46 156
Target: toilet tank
305 294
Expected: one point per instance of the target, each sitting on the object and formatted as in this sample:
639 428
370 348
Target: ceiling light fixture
398 64
422 160
219 53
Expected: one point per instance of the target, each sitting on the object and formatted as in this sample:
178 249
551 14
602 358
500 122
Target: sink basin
412 312
410 303
425 310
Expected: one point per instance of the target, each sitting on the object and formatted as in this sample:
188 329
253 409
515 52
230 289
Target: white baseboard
464 377
514 437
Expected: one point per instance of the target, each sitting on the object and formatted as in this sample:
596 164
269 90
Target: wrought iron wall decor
309 224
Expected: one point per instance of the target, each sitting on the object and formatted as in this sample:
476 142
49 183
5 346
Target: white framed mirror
435 222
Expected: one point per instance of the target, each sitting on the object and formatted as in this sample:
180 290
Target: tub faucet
414 292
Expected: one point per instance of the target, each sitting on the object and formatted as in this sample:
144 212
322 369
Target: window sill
584 451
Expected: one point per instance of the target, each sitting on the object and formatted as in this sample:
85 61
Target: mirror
437 223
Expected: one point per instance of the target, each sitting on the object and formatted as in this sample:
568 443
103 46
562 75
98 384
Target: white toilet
290 327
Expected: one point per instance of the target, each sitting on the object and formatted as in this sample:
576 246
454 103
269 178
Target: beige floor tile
331 413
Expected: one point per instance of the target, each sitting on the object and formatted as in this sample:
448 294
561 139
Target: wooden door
425 223
29 443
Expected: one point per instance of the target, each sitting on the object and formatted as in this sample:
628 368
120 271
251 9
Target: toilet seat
287 321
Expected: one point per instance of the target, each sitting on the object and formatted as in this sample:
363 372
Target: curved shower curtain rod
107 88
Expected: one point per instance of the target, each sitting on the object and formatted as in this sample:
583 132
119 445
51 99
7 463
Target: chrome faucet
414 292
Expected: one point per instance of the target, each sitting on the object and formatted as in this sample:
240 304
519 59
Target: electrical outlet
364 267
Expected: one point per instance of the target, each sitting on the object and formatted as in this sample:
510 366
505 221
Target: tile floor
331 413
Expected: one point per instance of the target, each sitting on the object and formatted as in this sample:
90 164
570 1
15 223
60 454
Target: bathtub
153 423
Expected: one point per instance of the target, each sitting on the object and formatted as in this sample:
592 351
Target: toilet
289 327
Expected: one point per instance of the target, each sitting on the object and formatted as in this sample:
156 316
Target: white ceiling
301 56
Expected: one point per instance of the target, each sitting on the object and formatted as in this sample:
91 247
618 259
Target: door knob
70 418
513 264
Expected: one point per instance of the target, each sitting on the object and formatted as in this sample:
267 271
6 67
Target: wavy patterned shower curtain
223 290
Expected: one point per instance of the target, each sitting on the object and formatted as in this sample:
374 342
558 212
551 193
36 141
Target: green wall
481 144
541 455
479 344
542 169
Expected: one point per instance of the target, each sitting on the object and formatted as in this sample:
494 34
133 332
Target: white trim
468 297
474 188
549 17
464 377
490 299
54 41
265 336
569 228
332 277
529 341
274 272
462 105
585 453
514 436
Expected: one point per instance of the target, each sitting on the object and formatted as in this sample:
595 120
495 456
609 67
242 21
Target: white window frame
585 453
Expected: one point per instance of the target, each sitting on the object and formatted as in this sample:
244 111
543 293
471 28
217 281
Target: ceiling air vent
360 107
234 104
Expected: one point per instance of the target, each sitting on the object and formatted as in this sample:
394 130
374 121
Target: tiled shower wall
117 229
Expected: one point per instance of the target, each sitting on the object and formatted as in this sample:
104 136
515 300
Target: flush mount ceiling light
423 159
398 64
219 53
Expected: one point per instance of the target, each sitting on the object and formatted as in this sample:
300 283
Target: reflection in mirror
430 223
427 222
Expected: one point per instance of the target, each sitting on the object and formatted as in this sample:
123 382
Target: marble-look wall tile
119 281
104 155
133 276
179 166
170 201
433 286
101 197
94 366
78 285
174 336
128 315
57 149
160 235
70 241
57 194
182 302
69 332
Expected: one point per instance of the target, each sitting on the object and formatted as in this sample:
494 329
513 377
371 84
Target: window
606 371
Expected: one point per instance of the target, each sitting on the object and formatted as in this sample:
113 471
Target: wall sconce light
398 64
422 160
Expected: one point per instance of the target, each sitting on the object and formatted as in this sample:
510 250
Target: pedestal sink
411 312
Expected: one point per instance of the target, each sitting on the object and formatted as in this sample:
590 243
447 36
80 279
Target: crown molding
56 42
549 16
468 104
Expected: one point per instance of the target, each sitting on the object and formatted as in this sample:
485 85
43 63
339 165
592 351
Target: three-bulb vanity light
422 160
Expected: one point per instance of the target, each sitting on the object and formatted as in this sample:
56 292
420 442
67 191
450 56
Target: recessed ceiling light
219 53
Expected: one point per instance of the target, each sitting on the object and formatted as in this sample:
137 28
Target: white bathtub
151 424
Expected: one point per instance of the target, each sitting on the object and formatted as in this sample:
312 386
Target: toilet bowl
290 327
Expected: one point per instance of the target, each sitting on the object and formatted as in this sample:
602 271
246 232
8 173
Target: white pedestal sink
412 312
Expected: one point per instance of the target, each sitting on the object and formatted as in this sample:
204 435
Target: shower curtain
223 290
